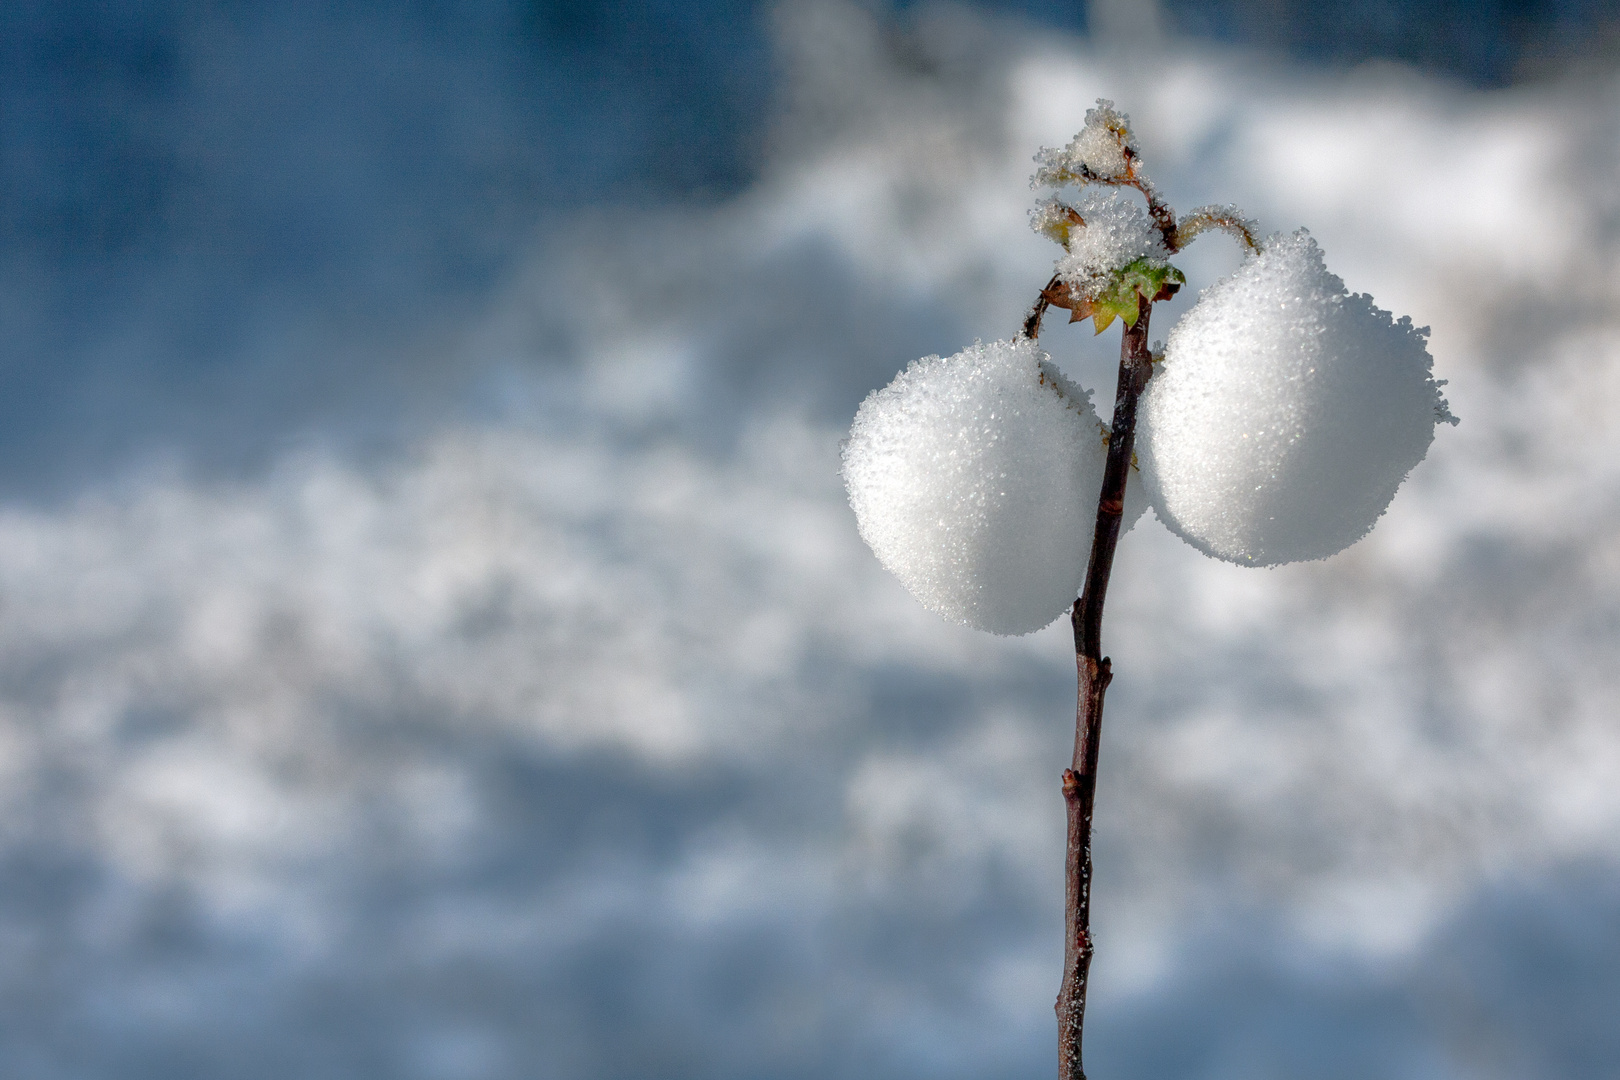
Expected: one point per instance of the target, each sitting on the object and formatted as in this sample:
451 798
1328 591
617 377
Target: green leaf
1142 278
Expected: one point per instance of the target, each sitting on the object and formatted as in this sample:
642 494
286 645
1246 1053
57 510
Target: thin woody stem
1135 366
1095 671
1032 321
1163 217
1225 218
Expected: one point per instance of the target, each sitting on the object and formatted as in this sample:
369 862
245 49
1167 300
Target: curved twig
1032 321
1225 218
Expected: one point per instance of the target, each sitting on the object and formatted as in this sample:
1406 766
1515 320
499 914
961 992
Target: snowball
1285 413
1116 233
975 479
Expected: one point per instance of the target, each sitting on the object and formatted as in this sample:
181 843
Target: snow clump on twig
1116 233
1286 412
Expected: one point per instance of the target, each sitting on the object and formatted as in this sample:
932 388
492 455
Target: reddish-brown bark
1094 671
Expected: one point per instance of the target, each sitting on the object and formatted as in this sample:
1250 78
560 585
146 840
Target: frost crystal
1286 412
974 479
1116 233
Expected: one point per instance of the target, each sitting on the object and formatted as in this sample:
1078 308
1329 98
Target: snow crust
974 478
1286 413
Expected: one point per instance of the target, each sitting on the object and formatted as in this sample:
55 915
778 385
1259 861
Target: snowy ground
582 738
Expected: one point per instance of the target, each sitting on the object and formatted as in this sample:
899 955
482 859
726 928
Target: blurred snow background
434 643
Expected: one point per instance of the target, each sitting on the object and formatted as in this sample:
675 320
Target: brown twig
1225 218
1095 671
1032 321
1163 217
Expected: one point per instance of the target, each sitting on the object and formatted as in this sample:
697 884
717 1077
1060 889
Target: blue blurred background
218 218
433 643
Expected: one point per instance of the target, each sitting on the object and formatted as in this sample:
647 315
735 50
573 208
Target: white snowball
975 479
1285 413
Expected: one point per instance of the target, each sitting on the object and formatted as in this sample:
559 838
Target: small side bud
1055 220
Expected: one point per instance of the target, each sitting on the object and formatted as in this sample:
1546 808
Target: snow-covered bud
1116 233
1103 151
1286 412
974 479
1113 254
1055 220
